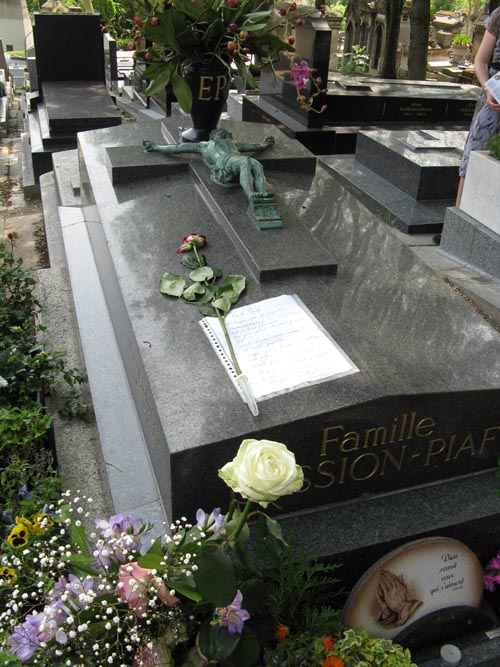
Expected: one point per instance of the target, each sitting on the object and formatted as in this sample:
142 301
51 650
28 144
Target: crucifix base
263 211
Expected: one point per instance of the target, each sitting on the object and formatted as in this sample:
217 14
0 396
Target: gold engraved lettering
451 444
434 448
363 457
388 455
326 437
467 445
221 84
487 438
322 470
425 427
342 470
307 482
381 430
205 88
353 438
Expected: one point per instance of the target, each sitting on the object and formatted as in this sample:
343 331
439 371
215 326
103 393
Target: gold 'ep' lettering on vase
212 87
409 440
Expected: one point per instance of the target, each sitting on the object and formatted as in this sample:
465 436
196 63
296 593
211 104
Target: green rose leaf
172 284
215 577
216 643
192 291
185 586
153 558
201 274
208 311
190 261
223 303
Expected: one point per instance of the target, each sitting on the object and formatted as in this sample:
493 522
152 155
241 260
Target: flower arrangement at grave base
242 34
221 591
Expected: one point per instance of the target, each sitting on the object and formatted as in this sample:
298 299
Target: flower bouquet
220 591
246 34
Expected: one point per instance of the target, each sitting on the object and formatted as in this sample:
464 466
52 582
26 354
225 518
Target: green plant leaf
153 559
83 564
191 292
216 643
161 78
182 92
201 274
246 652
215 577
222 303
186 586
172 284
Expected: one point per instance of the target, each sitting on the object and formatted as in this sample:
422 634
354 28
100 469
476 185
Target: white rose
263 471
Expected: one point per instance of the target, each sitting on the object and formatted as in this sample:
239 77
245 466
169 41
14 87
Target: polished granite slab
424 166
422 407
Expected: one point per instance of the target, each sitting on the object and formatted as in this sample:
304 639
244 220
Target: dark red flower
154 20
190 242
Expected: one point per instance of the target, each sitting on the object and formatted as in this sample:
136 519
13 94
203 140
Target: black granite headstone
69 47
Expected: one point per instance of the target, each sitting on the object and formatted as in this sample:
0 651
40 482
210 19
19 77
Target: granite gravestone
409 177
352 102
421 412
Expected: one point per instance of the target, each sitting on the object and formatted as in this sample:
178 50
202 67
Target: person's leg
259 180
246 178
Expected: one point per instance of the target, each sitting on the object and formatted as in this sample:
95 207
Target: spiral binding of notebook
226 362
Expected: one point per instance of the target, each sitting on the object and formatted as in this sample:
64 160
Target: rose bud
299 21
244 35
232 3
148 57
232 27
291 40
137 20
293 6
282 12
10 236
154 20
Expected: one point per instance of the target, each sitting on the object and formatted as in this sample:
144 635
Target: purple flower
494 563
489 582
24 493
213 522
233 616
77 592
300 73
24 642
118 524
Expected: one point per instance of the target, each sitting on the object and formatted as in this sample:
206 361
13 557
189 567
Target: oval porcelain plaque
412 581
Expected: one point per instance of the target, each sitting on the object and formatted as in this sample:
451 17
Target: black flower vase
209 83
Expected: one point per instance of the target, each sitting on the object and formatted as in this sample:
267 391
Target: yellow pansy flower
18 536
8 574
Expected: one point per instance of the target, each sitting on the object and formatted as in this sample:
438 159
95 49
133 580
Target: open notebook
279 345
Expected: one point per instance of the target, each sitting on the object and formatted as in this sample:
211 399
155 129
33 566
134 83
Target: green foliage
358 649
493 145
29 370
461 40
356 62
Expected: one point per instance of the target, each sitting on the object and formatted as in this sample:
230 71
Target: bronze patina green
228 165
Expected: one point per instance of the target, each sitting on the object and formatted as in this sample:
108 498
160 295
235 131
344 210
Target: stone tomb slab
301 251
421 164
75 106
422 409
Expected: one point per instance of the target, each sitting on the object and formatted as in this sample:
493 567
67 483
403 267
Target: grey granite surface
403 160
79 102
468 240
386 200
417 344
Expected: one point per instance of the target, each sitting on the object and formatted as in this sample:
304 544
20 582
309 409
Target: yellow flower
41 522
25 522
8 574
18 536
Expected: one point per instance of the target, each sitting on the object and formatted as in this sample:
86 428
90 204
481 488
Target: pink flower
494 563
489 582
134 584
155 20
192 241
